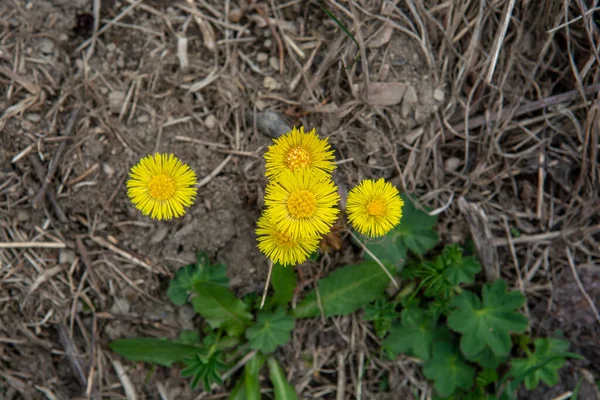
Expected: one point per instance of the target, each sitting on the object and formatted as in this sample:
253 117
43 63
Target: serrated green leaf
416 228
204 367
488 324
487 358
202 271
459 269
549 358
157 351
414 232
381 313
415 334
270 331
486 377
281 387
345 290
389 249
284 281
448 370
251 372
220 308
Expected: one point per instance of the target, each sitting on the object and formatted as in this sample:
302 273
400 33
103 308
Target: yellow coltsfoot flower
301 205
374 207
298 150
280 246
161 186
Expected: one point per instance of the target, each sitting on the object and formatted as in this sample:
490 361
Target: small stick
27 245
500 40
39 171
540 192
374 257
215 172
72 356
526 108
55 159
122 253
580 285
266 289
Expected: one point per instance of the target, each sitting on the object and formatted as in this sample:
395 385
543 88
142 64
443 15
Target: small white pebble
210 122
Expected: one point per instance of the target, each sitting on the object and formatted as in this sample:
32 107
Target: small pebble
115 101
23 215
267 43
270 83
33 117
438 95
210 122
120 306
66 256
410 96
452 164
159 235
274 63
142 119
108 170
262 57
235 15
46 46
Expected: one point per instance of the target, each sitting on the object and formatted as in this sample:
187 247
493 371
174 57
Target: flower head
298 150
280 246
302 205
374 207
161 186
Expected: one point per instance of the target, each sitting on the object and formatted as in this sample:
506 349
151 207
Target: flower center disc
302 204
376 208
298 157
161 187
284 240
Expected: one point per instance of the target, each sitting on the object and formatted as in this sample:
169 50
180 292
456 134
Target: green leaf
239 391
282 388
487 358
459 269
548 357
488 324
284 281
381 313
486 377
416 228
448 370
345 290
415 333
188 276
221 309
414 232
251 372
157 351
270 330
189 337
204 367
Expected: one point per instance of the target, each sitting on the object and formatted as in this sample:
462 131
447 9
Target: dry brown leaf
382 36
386 93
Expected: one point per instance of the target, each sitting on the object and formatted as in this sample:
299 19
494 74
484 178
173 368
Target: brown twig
55 159
481 120
39 171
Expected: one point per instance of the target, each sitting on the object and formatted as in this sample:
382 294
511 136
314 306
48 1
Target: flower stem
264 296
374 257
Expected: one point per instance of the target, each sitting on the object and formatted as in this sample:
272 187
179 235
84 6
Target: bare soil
87 88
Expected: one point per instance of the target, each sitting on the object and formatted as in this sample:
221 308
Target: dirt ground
487 113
